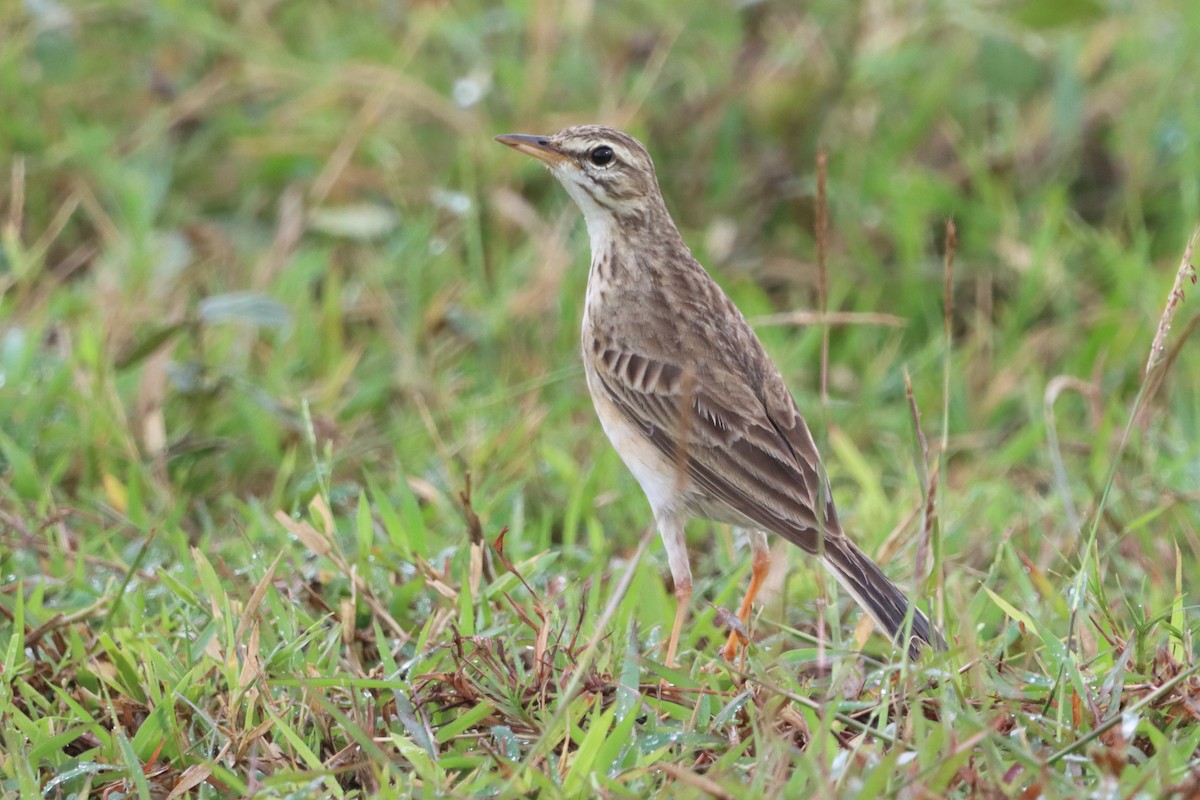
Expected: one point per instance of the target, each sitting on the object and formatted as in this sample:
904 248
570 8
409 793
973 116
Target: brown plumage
685 390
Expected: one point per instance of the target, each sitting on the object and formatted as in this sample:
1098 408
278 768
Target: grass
287 342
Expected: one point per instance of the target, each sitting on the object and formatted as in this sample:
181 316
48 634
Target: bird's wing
743 446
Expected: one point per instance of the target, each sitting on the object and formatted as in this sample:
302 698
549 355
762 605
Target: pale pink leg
671 530
683 597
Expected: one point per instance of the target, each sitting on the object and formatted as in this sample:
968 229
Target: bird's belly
658 477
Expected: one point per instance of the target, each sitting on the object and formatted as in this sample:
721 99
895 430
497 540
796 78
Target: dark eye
602 155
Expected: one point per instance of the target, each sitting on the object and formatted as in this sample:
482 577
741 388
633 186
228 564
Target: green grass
286 341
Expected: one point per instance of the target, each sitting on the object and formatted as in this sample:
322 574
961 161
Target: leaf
20 464
506 742
585 756
360 221
628 692
1176 643
727 714
127 679
1042 15
1011 610
463 721
306 533
81 770
1007 68
189 779
415 727
249 308
118 495
133 767
143 347
613 749
152 733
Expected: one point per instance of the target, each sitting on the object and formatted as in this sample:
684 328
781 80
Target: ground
302 495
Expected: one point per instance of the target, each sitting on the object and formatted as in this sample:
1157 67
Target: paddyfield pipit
685 391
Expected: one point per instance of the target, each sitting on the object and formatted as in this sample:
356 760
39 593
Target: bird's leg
672 532
760 566
683 598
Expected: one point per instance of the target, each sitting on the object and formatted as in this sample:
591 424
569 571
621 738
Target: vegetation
302 495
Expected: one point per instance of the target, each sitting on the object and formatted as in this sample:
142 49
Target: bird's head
608 173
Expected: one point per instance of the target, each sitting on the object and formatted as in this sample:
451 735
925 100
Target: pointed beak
537 146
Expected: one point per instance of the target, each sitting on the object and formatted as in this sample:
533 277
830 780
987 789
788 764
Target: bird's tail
881 598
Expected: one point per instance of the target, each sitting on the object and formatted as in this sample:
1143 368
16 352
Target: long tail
881 598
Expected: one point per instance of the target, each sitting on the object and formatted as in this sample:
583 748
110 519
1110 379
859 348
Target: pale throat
602 235
600 271
598 218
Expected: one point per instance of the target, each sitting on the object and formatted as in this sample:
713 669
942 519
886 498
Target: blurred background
262 256
256 251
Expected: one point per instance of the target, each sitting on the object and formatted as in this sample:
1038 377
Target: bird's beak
537 146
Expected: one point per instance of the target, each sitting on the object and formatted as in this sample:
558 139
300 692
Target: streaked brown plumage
684 389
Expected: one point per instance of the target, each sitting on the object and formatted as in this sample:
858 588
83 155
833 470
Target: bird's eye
602 155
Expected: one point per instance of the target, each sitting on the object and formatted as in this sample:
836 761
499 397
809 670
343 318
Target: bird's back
671 360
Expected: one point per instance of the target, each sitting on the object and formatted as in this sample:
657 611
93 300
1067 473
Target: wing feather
750 463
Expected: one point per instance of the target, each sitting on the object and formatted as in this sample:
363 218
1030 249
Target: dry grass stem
822 224
1184 275
951 248
830 318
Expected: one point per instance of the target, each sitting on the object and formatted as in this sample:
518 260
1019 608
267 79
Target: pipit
686 392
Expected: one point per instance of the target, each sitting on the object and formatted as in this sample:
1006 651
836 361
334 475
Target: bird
687 394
